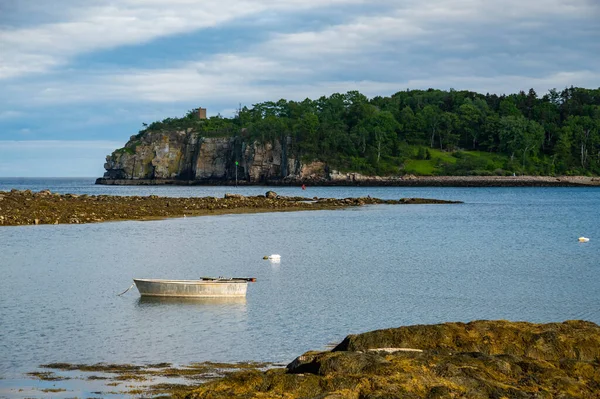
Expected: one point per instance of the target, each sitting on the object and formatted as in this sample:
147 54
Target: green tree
306 134
447 133
563 150
585 135
470 119
410 125
431 117
520 136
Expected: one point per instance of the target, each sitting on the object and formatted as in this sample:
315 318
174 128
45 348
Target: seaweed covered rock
579 340
482 359
25 207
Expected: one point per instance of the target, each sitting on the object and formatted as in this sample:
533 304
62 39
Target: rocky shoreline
45 207
479 359
356 179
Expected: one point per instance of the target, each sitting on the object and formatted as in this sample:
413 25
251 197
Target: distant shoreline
355 179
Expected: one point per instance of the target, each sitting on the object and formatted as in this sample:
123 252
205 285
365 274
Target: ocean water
506 253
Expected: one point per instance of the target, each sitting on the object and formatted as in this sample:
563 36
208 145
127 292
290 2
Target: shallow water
507 253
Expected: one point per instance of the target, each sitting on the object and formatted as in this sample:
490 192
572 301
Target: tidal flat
44 207
127 380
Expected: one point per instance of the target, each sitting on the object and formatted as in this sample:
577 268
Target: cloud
108 24
97 69
471 44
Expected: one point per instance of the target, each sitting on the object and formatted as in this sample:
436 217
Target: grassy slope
476 161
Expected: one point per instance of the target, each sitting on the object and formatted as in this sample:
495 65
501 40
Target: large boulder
578 340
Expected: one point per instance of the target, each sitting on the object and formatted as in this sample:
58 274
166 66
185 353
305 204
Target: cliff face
187 156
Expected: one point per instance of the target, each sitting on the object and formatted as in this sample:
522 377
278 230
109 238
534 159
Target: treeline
459 132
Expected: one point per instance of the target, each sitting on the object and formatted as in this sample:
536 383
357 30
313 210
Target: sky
79 77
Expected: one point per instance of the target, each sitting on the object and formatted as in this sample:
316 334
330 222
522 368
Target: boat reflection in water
147 301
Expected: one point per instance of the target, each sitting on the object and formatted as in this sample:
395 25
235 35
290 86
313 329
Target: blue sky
78 78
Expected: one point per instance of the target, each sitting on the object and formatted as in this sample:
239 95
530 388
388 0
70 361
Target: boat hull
191 288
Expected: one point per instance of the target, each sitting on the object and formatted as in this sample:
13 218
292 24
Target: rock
325 363
271 195
69 208
519 360
304 363
187 155
553 341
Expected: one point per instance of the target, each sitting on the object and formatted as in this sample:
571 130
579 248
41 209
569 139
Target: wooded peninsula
421 132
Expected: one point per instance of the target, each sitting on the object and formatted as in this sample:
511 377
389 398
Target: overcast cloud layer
73 71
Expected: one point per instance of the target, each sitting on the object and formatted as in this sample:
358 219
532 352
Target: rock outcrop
482 359
187 156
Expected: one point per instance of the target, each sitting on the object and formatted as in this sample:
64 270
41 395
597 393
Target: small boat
204 287
584 239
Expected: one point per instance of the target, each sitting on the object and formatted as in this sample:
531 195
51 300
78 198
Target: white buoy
273 258
583 239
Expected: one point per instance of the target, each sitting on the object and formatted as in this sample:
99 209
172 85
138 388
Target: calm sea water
507 253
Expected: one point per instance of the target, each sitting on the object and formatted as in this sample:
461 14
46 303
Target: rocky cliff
187 156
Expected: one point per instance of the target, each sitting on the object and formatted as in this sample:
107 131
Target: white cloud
401 48
108 24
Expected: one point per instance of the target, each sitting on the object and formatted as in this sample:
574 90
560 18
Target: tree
585 133
509 108
383 128
520 136
431 117
269 129
305 131
409 124
470 119
562 149
448 124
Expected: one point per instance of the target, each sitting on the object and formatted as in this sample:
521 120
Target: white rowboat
202 288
